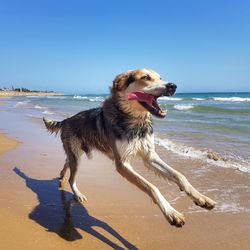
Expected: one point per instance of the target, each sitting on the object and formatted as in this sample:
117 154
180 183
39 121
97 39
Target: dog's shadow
58 212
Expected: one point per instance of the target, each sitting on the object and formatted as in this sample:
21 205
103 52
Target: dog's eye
146 77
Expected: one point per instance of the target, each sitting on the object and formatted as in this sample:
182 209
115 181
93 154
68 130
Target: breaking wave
204 155
39 107
167 98
80 97
46 112
23 103
183 107
231 99
199 99
89 98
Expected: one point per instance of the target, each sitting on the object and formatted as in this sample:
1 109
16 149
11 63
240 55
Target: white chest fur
138 145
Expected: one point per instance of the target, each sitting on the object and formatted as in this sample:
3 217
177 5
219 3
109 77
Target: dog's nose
171 86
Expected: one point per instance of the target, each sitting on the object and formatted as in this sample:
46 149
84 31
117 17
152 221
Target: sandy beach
31 93
34 213
6 143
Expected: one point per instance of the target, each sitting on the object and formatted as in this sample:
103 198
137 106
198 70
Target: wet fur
122 129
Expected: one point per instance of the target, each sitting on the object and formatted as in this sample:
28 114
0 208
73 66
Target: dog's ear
122 80
118 82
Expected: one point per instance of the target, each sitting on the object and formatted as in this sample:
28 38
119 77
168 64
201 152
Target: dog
121 129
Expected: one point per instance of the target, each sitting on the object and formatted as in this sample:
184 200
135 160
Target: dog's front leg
173 216
153 161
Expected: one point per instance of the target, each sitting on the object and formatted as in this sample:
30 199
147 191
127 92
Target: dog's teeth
162 111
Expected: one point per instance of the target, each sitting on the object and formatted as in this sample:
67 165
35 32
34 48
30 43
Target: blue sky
79 46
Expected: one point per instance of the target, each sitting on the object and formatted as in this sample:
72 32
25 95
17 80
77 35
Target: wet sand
34 213
6 143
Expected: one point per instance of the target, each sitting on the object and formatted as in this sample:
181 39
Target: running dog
122 128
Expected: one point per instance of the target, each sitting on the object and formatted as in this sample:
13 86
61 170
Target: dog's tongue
140 96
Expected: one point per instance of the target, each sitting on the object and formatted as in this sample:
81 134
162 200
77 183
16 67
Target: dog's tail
52 126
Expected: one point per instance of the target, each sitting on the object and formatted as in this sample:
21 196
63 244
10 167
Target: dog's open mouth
149 102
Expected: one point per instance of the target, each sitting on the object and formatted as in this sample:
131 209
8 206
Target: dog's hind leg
174 217
73 165
63 179
73 151
154 162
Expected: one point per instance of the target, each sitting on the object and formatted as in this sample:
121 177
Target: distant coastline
27 93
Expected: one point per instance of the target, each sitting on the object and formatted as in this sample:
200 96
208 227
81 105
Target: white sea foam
46 112
23 103
192 153
231 99
96 99
183 107
167 98
89 98
198 99
33 96
179 149
80 97
56 97
39 107
47 96
222 207
230 208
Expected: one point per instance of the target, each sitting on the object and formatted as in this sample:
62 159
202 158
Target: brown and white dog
121 129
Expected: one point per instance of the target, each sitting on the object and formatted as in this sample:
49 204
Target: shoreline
7 143
31 93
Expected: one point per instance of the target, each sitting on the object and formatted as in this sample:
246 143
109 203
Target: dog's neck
122 105
124 121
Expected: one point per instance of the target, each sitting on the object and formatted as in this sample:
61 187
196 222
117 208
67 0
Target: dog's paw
81 198
205 202
175 218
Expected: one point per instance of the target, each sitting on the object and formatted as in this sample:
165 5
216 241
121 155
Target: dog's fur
121 129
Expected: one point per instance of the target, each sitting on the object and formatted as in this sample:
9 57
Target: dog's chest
128 149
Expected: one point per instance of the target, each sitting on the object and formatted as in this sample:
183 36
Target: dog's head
139 90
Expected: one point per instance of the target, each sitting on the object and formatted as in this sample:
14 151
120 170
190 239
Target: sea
210 127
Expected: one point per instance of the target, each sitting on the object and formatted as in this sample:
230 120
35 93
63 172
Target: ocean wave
33 96
96 99
222 207
39 107
199 99
23 103
231 99
80 97
204 155
230 207
89 98
183 107
59 97
167 98
46 112
220 110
